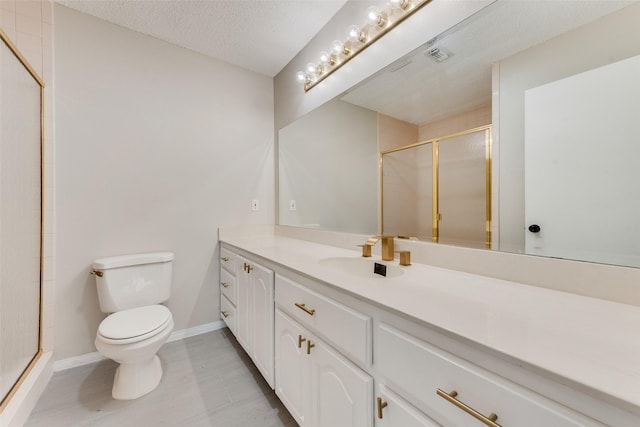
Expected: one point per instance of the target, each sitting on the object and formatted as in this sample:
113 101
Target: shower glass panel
407 192
462 189
440 189
20 217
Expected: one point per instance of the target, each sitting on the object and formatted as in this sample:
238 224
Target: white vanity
424 346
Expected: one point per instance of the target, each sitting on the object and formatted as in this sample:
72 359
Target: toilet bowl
132 338
131 288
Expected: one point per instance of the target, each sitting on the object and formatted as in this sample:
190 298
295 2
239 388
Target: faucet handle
405 257
366 250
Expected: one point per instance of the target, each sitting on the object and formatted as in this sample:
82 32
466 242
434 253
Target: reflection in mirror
328 169
498 64
440 189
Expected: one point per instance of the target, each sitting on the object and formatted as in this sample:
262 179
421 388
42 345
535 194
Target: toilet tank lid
133 259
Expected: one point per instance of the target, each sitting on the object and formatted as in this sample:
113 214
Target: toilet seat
133 325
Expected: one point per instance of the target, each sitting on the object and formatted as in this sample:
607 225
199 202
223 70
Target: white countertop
590 341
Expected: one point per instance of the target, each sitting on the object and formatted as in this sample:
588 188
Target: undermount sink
361 267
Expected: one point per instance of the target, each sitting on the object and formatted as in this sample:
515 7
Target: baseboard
196 330
85 359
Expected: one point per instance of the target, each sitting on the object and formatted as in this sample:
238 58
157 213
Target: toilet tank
130 281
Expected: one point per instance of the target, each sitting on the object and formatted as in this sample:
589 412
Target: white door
581 166
262 297
243 308
341 393
393 411
292 367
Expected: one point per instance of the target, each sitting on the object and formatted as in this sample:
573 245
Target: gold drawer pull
224 258
300 341
309 311
247 267
225 313
381 406
451 398
309 346
224 284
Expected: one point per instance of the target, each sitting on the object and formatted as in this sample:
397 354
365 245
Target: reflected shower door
20 217
407 192
462 190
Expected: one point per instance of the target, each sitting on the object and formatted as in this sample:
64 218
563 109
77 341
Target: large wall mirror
558 86
21 116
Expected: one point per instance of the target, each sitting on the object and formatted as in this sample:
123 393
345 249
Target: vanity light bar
379 22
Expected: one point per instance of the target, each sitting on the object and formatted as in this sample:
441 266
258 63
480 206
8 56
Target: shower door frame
436 216
4 400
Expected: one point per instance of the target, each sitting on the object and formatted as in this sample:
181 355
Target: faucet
387 247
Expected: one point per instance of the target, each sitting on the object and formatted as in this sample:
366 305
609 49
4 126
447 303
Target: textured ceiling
259 35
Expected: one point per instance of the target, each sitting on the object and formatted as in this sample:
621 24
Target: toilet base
134 380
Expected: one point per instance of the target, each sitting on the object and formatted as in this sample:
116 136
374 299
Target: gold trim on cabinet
224 284
224 258
4 400
303 307
381 405
489 420
225 314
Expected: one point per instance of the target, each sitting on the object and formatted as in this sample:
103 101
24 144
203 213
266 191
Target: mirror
552 169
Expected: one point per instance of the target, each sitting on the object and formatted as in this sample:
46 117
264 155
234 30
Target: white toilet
131 288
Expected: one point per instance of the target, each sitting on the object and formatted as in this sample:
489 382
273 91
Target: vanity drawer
416 370
228 314
347 329
228 285
228 260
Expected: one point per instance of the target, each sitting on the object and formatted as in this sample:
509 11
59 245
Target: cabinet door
292 367
243 307
261 290
341 393
394 411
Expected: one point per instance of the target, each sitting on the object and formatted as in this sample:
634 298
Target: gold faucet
387 247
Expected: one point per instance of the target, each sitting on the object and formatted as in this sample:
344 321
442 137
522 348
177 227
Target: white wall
602 42
157 147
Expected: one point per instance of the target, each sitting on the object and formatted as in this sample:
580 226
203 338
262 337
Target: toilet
131 289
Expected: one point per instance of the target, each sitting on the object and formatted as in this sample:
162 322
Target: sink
360 267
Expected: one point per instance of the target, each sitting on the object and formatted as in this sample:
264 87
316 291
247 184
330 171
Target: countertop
592 342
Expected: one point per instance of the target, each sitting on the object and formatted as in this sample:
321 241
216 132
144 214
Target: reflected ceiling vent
437 54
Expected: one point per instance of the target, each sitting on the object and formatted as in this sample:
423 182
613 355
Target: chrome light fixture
379 21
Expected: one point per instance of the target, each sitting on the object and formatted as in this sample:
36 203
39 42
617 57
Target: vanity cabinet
457 393
228 288
318 385
247 305
323 349
393 411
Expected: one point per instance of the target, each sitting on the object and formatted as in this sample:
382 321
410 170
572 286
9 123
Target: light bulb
312 69
401 4
301 76
325 58
339 48
355 34
376 17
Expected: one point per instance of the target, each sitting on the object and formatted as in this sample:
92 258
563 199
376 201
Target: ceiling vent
437 54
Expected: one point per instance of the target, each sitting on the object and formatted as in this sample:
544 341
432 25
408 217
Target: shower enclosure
21 123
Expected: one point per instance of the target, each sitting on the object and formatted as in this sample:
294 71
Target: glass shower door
463 186
20 217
